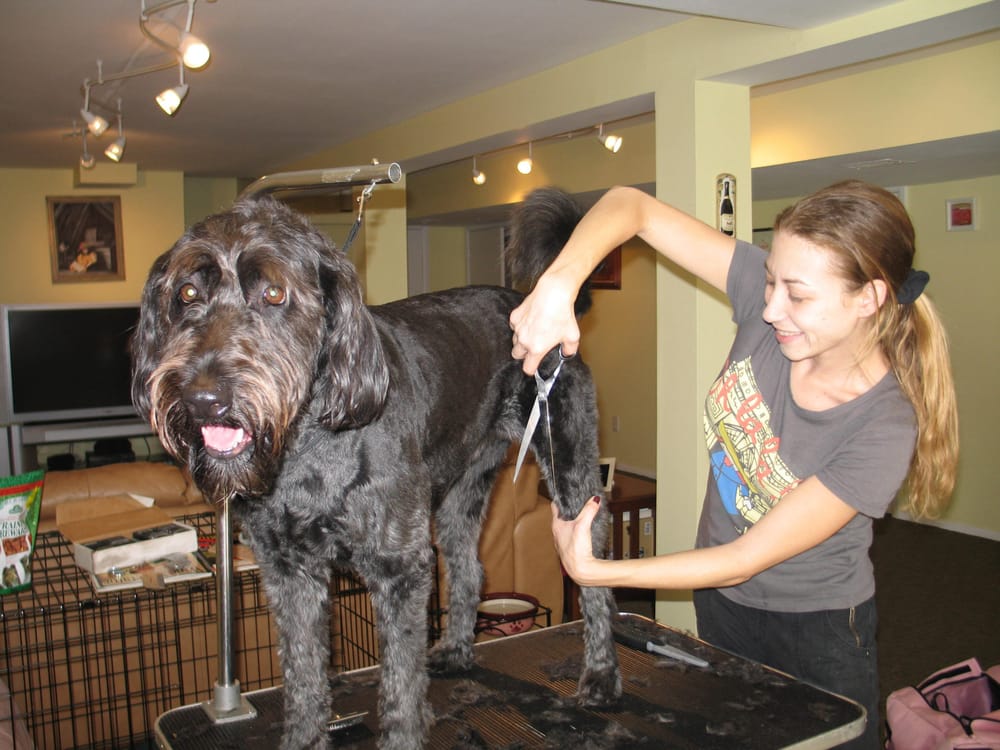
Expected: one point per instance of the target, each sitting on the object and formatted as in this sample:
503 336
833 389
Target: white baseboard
961 528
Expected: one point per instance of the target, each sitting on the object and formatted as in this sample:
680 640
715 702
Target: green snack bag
20 500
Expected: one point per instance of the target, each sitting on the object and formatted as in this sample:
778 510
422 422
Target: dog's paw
599 689
448 659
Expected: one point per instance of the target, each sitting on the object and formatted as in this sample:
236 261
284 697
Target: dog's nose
207 401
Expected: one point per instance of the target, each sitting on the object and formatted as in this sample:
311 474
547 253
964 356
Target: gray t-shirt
762 445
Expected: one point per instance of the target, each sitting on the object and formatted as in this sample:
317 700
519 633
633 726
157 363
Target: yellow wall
446 261
152 219
964 267
943 96
619 344
207 195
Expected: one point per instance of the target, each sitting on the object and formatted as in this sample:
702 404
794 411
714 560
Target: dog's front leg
400 595
299 600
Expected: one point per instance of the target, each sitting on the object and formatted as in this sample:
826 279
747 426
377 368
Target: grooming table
520 694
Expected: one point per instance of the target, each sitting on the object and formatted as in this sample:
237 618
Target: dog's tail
540 226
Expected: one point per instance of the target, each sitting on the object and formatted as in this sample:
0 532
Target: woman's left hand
574 543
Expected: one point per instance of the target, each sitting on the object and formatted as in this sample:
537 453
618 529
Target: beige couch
165 483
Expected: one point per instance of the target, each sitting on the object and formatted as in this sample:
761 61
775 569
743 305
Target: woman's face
813 314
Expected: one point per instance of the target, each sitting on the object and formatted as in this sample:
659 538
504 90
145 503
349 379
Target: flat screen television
66 362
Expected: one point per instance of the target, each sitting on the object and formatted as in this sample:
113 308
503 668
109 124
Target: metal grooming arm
227 703
317 179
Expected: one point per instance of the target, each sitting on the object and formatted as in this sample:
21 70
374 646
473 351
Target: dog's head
249 324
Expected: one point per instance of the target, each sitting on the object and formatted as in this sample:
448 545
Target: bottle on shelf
727 211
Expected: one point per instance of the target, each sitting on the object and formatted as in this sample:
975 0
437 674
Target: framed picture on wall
85 238
961 214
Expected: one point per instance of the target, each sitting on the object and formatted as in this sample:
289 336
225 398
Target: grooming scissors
544 386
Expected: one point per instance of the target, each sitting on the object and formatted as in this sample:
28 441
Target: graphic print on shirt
743 449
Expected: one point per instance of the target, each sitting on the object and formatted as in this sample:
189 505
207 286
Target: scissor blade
529 431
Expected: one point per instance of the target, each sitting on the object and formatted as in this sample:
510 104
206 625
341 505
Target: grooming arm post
227 703
313 179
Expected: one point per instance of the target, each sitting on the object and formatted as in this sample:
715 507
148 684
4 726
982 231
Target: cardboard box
120 531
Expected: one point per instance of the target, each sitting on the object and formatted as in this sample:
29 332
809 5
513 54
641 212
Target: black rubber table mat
520 695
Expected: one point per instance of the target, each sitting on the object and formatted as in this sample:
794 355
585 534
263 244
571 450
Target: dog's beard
241 457
249 474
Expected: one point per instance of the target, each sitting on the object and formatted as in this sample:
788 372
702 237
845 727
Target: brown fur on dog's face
237 320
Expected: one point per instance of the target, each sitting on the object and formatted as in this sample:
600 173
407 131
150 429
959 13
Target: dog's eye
274 295
188 294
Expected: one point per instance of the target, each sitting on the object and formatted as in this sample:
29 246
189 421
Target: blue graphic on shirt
731 486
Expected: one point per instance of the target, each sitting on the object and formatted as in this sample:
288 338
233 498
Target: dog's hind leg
400 586
458 523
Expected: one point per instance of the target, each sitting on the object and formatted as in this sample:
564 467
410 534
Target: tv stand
20 437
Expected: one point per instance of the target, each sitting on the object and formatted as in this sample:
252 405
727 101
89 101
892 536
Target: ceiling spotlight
611 141
86 158
95 123
524 166
171 99
194 52
477 177
116 149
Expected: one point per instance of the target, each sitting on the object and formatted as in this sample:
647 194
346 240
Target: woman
837 388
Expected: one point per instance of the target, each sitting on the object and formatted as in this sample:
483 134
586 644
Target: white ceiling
291 78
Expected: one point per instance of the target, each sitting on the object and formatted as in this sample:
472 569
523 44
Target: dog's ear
147 339
353 377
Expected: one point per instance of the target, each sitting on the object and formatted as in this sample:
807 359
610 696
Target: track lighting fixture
524 166
611 141
116 149
171 99
186 50
477 177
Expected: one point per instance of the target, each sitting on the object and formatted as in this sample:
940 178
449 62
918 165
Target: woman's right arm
545 319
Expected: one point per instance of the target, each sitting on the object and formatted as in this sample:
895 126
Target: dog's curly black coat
339 432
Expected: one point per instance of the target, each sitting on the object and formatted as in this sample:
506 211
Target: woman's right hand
544 320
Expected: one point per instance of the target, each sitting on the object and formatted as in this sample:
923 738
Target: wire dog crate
94 671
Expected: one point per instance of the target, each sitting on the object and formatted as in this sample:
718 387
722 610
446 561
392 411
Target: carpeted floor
938 596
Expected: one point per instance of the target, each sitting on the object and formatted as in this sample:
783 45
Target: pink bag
957 708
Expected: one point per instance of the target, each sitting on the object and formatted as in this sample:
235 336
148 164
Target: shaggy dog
339 432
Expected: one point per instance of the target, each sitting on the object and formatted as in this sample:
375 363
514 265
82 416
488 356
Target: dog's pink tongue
222 439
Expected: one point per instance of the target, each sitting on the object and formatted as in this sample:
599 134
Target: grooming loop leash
365 195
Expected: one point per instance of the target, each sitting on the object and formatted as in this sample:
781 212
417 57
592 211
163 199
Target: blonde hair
871 238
